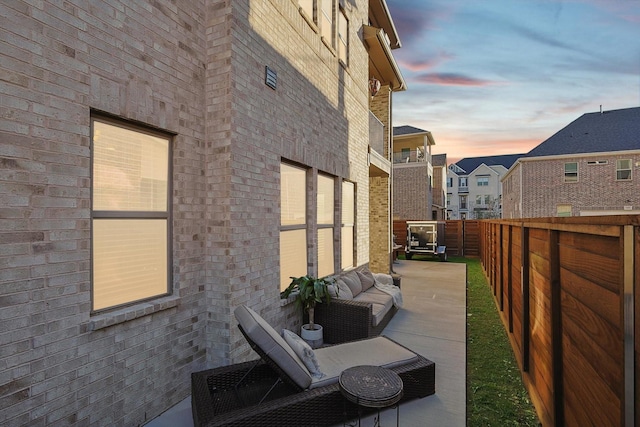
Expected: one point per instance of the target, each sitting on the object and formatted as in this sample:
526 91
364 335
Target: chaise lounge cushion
378 351
265 337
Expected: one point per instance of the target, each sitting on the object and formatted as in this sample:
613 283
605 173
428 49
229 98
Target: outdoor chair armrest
344 320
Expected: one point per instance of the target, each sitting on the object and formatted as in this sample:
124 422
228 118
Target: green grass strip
495 393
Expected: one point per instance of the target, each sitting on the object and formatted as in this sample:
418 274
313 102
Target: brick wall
411 192
543 187
194 69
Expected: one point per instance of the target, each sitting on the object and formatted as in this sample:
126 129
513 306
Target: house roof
614 130
407 130
439 160
469 164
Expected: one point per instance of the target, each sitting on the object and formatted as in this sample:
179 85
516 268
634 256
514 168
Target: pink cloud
452 79
427 64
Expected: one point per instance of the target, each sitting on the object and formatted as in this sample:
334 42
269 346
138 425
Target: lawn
495 393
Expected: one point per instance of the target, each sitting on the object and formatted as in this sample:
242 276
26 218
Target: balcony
464 189
412 156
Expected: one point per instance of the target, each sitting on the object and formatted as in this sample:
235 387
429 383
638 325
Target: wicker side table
372 387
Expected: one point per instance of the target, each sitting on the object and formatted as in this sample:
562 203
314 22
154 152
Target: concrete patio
432 323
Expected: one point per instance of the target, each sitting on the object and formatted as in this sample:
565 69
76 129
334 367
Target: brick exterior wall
543 187
411 195
379 218
195 69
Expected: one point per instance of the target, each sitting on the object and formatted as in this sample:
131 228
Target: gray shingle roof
471 163
615 130
407 130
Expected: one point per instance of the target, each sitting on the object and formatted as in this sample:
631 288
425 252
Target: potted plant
310 291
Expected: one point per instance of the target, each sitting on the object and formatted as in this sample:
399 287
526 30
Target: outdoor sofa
358 308
280 390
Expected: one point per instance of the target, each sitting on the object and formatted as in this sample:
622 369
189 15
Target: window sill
125 314
309 20
290 300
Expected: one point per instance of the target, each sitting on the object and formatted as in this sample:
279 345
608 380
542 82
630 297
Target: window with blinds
326 20
293 225
130 214
325 219
343 36
348 224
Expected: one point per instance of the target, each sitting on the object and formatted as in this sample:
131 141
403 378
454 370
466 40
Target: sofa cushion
366 279
304 352
265 337
381 302
378 351
353 281
344 292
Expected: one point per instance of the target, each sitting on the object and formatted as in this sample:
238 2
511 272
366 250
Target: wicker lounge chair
278 390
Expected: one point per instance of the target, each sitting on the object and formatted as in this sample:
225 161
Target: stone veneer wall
194 69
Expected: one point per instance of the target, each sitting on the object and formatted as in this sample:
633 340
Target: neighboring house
590 167
162 163
412 173
439 207
474 190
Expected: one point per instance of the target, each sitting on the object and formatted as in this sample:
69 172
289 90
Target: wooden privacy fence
567 291
462 238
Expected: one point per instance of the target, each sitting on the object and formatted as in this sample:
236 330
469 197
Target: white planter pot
312 336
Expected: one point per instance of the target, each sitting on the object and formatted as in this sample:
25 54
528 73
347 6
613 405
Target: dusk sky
498 77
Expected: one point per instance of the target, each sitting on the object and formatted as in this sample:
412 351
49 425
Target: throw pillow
366 279
304 352
344 292
353 281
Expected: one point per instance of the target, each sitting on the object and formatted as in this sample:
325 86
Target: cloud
426 64
451 79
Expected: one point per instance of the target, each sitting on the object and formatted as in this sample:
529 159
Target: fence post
556 329
629 330
524 283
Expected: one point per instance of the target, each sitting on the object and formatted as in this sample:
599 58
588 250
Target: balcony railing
376 134
413 156
464 189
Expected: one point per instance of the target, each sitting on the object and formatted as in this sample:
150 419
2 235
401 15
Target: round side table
372 387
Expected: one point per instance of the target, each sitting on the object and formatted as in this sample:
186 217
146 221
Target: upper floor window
463 202
482 181
326 21
623 170
343 36
130 215
462 181
571 172
293 223
325 219
449 182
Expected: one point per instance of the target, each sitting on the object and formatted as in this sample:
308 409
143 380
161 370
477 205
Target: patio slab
433 324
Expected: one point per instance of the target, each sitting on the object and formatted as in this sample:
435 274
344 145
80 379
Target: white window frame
620 169
125 267
569 175
482 181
